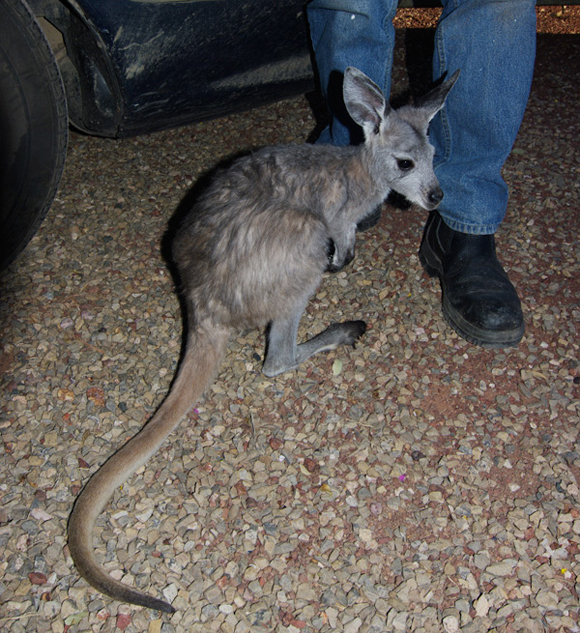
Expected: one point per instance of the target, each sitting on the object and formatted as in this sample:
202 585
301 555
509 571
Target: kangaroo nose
435 196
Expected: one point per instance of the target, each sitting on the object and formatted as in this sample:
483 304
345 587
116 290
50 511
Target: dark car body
135 66
118 68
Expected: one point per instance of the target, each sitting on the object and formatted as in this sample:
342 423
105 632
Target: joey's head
399 155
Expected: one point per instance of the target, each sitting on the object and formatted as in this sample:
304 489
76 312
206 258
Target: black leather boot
479 301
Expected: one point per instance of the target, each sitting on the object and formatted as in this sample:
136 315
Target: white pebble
451 624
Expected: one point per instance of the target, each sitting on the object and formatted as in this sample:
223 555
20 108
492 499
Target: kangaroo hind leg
335 335
284 353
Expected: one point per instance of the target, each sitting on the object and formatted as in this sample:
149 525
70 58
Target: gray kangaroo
251 252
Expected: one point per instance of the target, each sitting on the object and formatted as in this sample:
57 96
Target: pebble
451 624
503 568
547 599
481 606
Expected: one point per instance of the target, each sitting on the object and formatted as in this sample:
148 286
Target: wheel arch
93 93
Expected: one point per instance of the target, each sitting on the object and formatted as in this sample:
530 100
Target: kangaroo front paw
339 256
338 265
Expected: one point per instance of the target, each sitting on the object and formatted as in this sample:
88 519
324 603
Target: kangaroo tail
205 349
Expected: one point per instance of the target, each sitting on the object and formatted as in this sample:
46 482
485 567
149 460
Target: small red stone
36 578
123 621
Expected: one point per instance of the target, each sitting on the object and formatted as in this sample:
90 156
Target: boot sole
482 338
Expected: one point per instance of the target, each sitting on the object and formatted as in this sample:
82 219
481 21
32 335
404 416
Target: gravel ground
416 483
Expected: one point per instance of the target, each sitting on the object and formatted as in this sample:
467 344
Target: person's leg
493 42
357 33
346 33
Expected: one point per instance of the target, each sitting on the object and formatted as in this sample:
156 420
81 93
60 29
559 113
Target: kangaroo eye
405 164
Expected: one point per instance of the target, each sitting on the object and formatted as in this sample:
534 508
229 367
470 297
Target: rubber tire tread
33 127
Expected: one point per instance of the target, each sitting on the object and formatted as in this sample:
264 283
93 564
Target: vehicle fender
93 91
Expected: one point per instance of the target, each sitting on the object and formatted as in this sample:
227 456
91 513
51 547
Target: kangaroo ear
364 100
433 101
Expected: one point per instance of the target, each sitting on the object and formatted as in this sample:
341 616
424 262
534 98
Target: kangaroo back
203 353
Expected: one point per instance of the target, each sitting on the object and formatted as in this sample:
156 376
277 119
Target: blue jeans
493 42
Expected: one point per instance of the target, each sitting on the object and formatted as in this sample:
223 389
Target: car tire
33 127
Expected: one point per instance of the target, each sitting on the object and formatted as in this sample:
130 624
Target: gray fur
251 252
255 247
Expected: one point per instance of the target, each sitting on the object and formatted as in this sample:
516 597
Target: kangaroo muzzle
434 198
